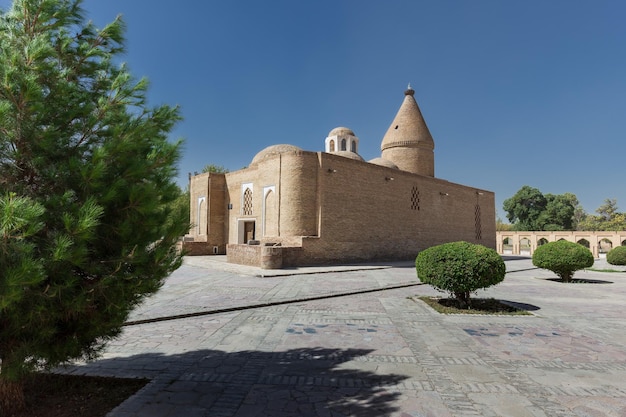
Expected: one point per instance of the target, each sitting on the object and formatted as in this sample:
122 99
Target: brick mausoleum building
294 207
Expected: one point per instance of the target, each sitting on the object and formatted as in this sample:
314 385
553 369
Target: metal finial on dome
409 91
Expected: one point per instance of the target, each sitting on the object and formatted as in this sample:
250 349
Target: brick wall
374 212
244 254
326 208
207 204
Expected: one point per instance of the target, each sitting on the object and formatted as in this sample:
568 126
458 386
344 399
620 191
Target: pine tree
87 221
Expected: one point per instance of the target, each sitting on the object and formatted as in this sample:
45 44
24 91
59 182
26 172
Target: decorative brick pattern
477 223
247 202
415 199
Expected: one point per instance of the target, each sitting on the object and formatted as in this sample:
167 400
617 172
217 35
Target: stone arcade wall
525 243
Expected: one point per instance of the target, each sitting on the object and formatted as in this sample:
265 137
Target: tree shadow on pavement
298 382
580 281
521 306
515 257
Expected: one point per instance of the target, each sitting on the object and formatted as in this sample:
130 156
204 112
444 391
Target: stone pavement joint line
269 304
291 350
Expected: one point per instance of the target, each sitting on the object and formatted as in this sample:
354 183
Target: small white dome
341 131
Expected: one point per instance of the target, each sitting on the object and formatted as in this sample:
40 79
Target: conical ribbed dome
408 128
408 142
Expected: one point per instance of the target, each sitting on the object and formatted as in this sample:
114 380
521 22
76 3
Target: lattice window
343 145
247 202
415 199
332 146
477 225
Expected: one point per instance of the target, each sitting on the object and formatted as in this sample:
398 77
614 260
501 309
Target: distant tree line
530 209
219 169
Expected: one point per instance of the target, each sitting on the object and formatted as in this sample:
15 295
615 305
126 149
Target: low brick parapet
243 254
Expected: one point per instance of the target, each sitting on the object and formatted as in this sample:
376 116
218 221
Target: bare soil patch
477 306
54 395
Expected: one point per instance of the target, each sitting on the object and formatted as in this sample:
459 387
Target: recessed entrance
247 231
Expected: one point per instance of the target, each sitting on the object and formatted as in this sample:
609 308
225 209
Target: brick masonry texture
336 209
319 207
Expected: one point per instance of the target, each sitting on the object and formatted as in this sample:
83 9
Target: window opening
584 242
247 202
478 226
415 199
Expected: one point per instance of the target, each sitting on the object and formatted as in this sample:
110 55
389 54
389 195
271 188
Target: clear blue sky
514 92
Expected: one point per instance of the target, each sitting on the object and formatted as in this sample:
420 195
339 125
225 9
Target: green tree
524 209
219 169
618 222
608 218
87 224
501 226
579 216
559 212
608 210
529 209
180 206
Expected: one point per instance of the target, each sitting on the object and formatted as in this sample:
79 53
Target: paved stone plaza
322 342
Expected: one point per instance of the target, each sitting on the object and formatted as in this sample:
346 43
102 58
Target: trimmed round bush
460 268
563 258
617 256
